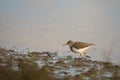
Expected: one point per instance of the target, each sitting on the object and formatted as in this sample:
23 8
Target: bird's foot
84 57
81 58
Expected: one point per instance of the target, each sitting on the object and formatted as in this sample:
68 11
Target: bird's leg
85 53
80 55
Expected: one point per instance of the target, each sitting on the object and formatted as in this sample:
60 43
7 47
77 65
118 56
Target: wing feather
79 45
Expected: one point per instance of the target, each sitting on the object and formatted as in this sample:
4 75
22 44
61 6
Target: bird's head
69 43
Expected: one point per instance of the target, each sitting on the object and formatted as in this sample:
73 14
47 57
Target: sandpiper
79 47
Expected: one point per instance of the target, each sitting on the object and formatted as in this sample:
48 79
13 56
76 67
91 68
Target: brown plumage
79 47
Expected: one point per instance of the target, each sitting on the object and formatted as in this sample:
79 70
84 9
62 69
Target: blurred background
45 25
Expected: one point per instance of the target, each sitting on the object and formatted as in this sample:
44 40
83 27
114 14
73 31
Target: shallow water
46 26
57 65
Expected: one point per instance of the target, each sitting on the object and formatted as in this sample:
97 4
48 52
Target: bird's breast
74 50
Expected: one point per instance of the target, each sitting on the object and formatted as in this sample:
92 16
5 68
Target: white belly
80 50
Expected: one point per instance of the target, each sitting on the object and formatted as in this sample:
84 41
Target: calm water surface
47 25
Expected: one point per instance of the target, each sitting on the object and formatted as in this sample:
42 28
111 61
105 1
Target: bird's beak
64 44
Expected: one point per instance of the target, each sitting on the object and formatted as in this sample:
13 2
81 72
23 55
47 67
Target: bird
79 47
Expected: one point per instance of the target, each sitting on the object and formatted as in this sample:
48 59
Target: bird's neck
70 45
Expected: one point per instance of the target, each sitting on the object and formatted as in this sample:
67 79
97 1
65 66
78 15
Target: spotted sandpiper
79 47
